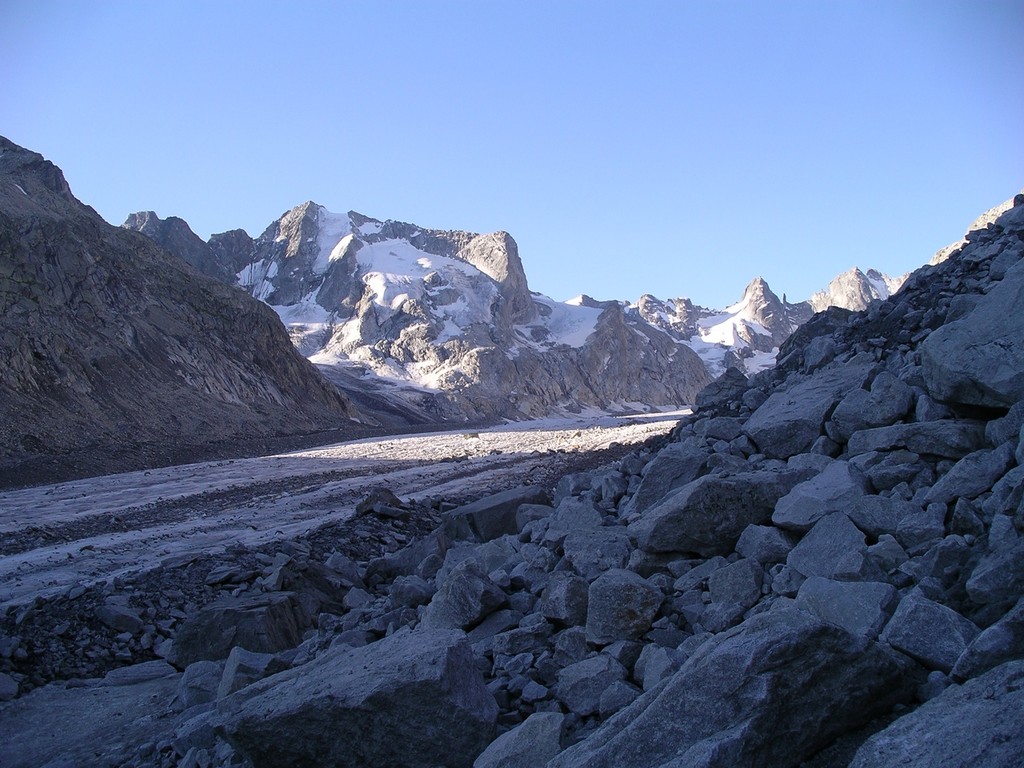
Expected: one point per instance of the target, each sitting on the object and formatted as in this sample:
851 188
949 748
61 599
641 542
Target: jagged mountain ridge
113 347
450 313
446 318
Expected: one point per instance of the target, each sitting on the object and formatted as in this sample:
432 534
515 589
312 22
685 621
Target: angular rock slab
414 698
771 691
528 745
790 420
860 607
708 515
949 438
978 724
262 623
821 551
493 516
932 633
835 489
979 359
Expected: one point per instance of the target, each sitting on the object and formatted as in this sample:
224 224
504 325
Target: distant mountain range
444 325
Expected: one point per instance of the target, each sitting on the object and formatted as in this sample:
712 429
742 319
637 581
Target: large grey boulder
492 516
708 515
887 402
530 744
580 685
949 438
860 607
978 724
564 599
979 359
414 698
835 489
465 596
999 576
263 623
620 606
791 419
674 466
770 692
822 550
1001 642
592 551
932 633
974 474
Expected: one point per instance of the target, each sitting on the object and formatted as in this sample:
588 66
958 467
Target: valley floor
54 538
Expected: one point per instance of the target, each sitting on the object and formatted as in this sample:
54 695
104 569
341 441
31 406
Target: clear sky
674 148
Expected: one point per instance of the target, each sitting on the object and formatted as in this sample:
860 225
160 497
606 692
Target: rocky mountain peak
855 290
175 235
31 182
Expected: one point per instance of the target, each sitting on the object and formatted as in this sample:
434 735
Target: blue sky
674 148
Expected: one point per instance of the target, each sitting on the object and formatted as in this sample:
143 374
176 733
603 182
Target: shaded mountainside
114 347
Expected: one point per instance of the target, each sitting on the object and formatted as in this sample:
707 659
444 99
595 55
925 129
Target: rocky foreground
824 567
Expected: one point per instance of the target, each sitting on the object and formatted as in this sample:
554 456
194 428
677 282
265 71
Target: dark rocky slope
823 567
117 354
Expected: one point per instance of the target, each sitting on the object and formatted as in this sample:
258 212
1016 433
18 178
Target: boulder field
823 566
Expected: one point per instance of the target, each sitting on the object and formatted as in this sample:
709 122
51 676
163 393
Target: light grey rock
888 553
772 691
979 359
244 667
620 606
708 515
199 682
886 403
791 419
592 551
976 724
580 685
564 600
410 591
264 623
737 584
862 608
998 577
972 475
576 513
463 598
820 551
699 574
930 632
765 543
530 744
952 439
673 466
492 516
414 698
837 488
999 643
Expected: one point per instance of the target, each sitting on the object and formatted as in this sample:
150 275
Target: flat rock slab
790 420
88 726
414 698
493 516
833 490
932 633
948 438
770 692
978 724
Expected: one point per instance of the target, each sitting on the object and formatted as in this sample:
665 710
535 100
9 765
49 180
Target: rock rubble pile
823 566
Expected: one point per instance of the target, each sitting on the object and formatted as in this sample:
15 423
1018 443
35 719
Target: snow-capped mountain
854 290
448 317
445 322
